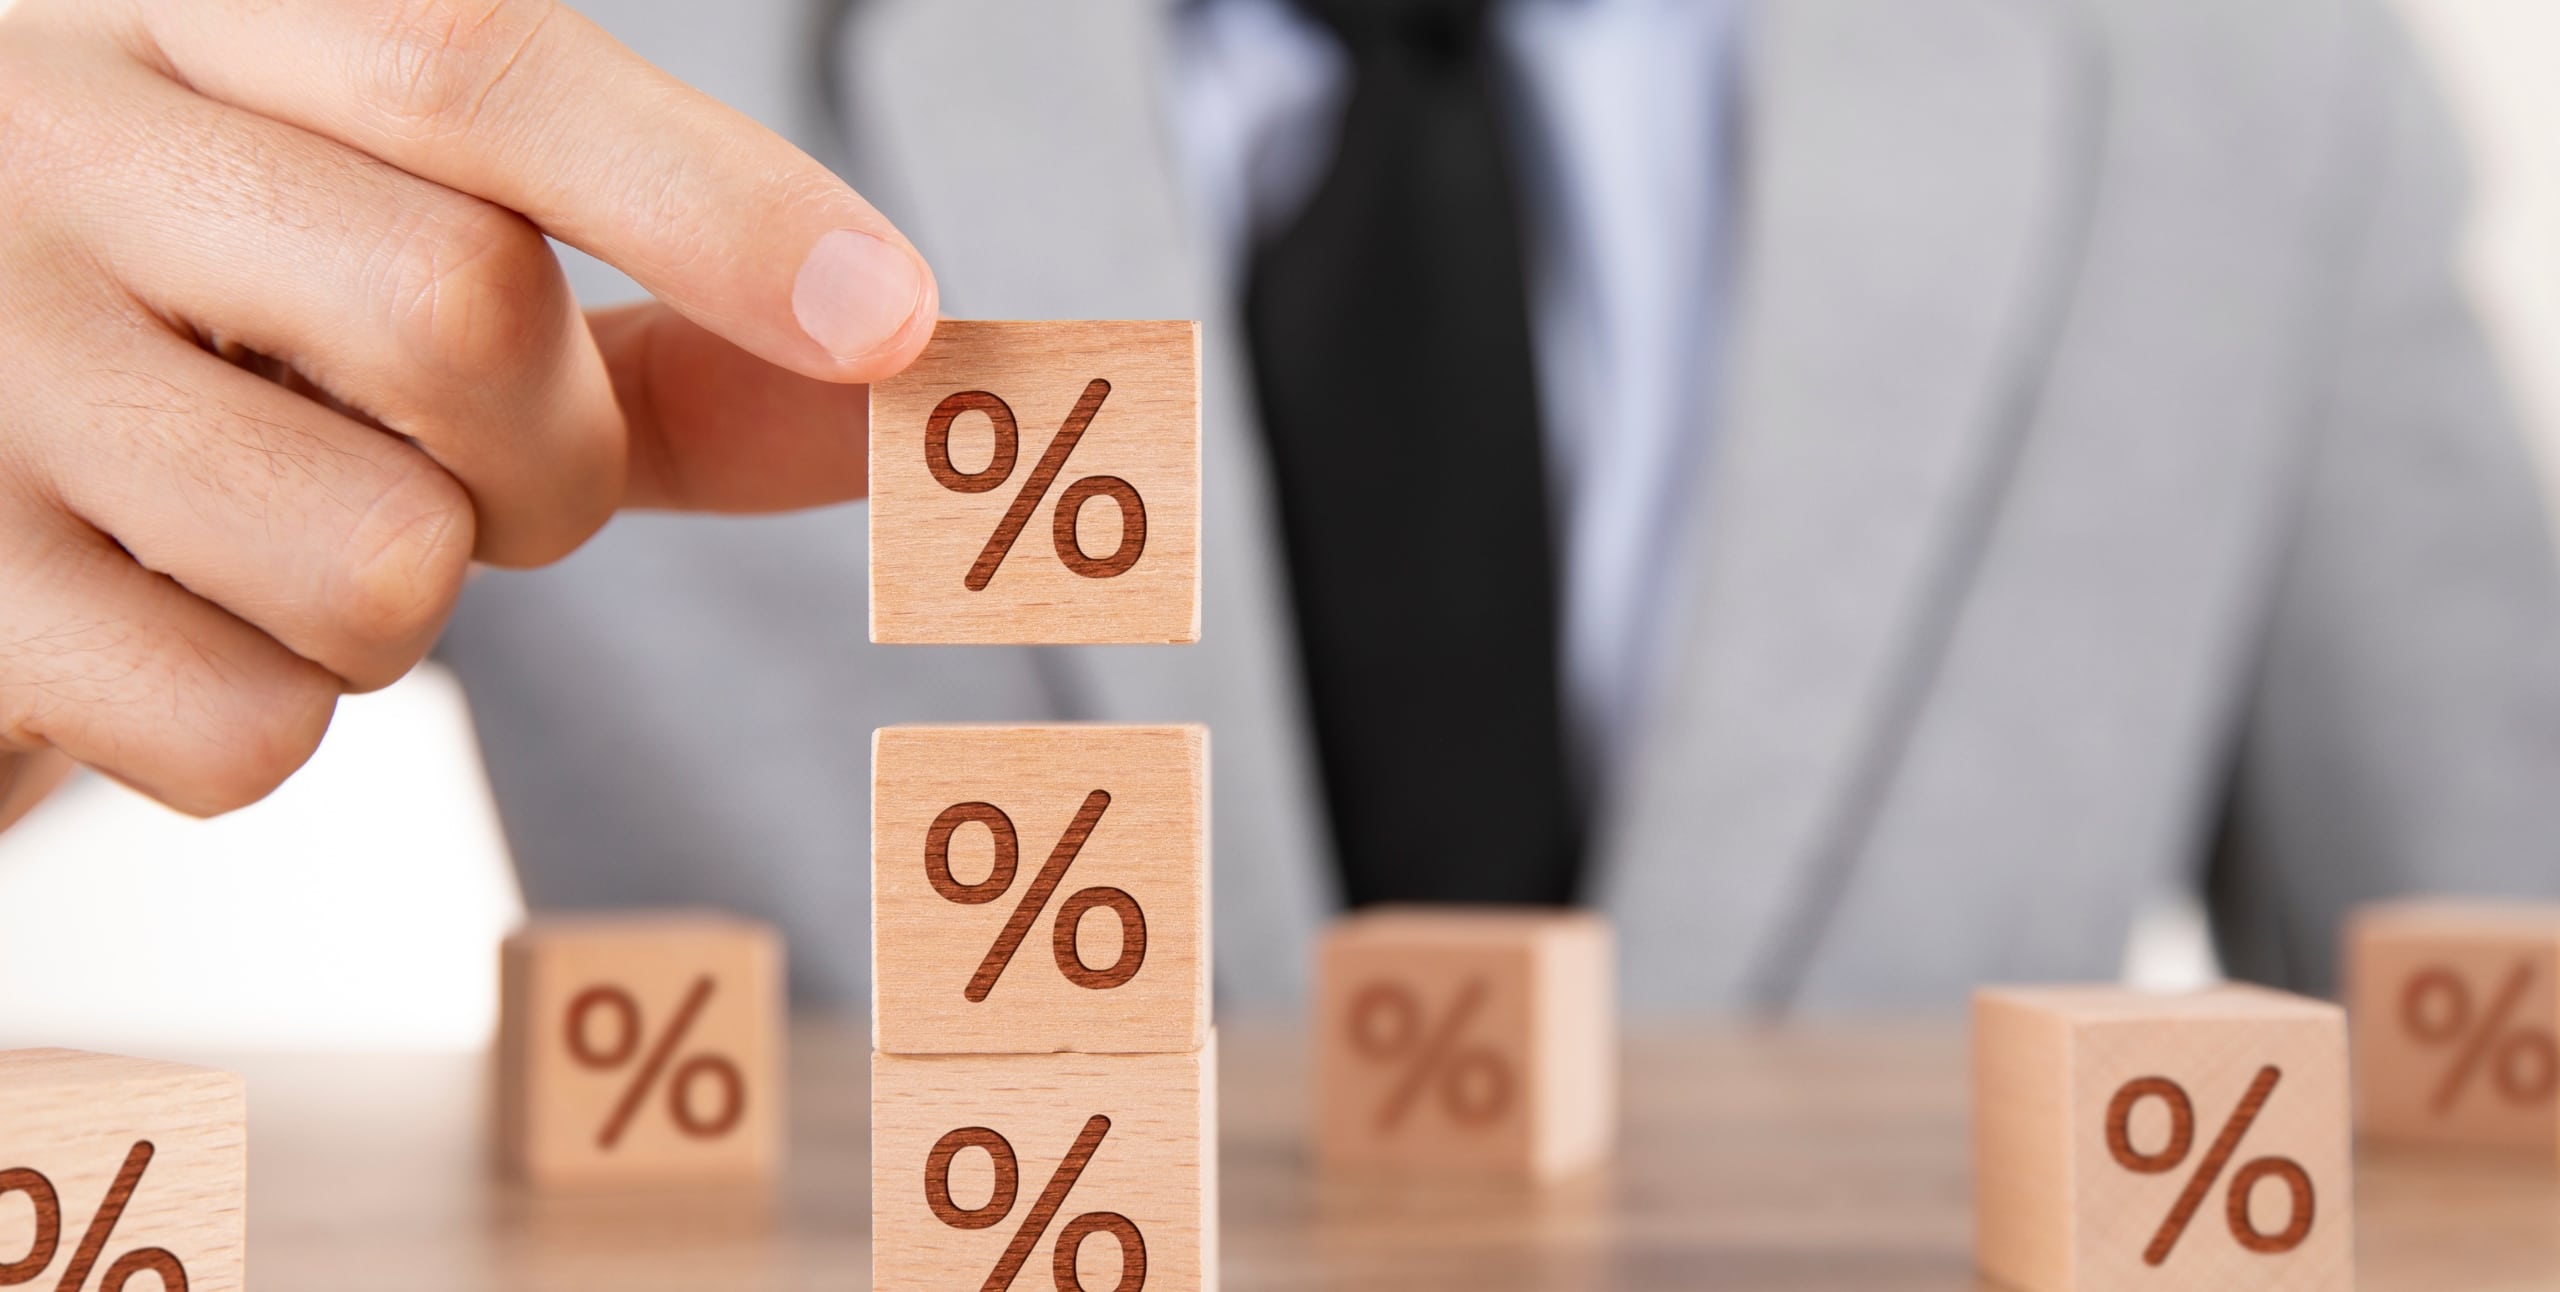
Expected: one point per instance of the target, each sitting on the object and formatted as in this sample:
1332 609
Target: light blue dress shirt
1624 115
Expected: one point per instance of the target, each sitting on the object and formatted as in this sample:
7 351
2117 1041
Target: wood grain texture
1466 1039
1111 1144
970 824
116 1169
2454 1013
2131 1140
641 1049
1826 1158
2022 1141
989 525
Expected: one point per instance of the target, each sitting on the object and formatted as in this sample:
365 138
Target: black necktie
1390 338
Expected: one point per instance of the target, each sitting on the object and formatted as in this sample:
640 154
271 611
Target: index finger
529 105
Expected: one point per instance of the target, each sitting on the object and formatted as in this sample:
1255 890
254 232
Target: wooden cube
115 1168
1466 1039
2130 1140
2455 1007
641 1048
1039 483
1040 889
1065 1170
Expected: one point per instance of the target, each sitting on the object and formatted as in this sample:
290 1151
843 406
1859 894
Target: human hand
289 349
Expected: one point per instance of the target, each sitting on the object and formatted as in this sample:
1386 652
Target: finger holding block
641 1049
1040 889
127 1167
1466 1039
2130 1140
2455 1013
1044 1170
1039 482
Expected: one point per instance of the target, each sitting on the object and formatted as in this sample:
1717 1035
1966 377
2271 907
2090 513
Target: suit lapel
1024 145
1908 179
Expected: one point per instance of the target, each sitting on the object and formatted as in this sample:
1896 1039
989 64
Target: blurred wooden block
1039 483
1467 1039
2455 1014
641 1048
112 1169
1040 889
1064 1170
2130 1140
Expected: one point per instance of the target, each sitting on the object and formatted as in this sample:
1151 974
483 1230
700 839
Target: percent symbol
93 1242
627 1037
1071 913
2523 1062
1387 1024
999 1204
2182 1134
1044 473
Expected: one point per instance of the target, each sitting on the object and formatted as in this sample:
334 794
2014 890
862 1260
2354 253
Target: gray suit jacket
2111 494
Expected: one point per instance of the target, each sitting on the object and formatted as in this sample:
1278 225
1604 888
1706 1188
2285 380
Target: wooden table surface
1822 1159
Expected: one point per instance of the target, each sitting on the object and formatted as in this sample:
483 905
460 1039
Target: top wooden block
1039 483
126 1167
2455 1013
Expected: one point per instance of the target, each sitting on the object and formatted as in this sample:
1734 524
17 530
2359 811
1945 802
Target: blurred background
360 907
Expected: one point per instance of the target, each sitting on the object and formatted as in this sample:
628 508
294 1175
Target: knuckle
583 486
203 714
473 289
437 63
276 725
552 538
407 557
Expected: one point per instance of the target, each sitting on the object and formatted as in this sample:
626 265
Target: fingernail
854 292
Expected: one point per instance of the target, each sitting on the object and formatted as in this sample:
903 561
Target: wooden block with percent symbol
1040 889
2131 1140
2455 1007
1467 1038
642 1048
1072 1171
127 1168
1039 483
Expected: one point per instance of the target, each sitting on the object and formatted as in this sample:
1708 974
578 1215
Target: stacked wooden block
128 1167
1043 1071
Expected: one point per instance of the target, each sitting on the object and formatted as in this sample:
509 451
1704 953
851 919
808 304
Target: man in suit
1964 466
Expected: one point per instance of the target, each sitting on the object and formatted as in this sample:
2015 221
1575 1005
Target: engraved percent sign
999 1204
2182 1136
1387 1024
1071 913
627 1038
93 1242
1044 473
2523 1062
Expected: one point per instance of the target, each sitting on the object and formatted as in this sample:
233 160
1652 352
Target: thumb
715 428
